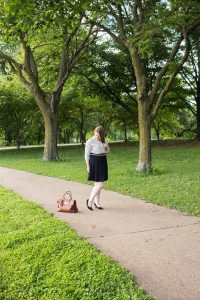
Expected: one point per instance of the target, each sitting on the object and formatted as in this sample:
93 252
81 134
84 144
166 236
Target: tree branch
31 70
187 80
193 111
118 17
142 12
46 55
134 8
164 69
171 78
117 38
121 22
74 57
108 92
162 72
9 59
194 65
41 45
29 62
16 67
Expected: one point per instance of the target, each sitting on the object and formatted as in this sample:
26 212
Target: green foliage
110 77
42 258
2 140
23 15
82 111
47 27
17 111
176 119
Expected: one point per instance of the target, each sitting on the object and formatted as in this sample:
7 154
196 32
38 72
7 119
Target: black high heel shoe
99 207
88 205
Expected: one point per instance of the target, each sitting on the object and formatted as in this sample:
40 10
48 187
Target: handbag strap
69 195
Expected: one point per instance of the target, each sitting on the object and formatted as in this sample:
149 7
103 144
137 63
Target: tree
78 109
150 30
124 121
17 111
83 110
177 103
39 36
191 76
109 74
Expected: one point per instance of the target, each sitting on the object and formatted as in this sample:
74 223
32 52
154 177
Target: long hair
101 132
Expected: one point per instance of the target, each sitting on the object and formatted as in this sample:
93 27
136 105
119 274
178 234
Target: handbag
67 204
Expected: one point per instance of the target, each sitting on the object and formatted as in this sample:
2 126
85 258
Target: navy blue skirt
98 168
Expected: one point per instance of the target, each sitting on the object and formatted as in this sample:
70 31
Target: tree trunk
158 135
50 144
157 130
67 138
82 137
82 133
49 110
18 142
125 133
144 163
198 110
144 116
8 137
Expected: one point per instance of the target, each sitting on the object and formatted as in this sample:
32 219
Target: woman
96 162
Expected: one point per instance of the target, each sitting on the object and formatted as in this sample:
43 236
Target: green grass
174 181
43 259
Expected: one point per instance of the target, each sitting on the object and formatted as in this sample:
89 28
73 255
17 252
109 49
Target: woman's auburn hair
101 132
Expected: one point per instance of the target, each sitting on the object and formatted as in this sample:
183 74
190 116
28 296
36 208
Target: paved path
160 246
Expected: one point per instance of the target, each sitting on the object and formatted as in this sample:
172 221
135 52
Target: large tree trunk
51 128
144 162
49 109
144 116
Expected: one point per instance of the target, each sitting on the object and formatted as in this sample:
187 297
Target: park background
132 67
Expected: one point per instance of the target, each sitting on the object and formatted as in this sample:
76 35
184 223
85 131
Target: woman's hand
106 147
87 165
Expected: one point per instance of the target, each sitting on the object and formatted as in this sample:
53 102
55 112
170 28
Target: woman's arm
88 148
87 166
106 146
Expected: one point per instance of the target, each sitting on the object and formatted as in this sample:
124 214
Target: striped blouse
93 145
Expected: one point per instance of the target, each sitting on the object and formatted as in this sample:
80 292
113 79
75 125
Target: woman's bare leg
95 191
97 199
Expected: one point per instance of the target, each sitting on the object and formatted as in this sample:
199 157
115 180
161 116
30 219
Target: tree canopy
126 56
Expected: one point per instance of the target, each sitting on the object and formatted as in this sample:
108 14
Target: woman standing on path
97 167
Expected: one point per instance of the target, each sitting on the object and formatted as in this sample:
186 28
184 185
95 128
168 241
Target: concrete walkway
160 246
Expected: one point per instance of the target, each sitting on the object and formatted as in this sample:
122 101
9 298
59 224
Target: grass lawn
174 181
43 259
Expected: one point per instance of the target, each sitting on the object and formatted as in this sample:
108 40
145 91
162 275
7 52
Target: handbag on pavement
67 204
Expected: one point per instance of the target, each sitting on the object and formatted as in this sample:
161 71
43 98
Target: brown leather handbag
67 204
